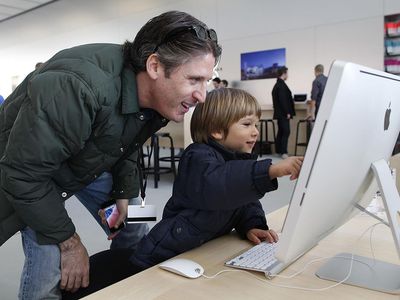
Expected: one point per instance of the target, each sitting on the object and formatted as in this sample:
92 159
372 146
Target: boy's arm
252 216
210 184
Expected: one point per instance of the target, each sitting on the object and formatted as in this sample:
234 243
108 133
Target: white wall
312 31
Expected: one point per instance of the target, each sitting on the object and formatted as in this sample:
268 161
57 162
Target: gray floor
11 254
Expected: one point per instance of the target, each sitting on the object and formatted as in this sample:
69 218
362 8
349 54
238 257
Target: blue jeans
41 273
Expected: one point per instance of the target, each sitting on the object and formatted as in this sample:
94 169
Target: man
283 111
66 126
216 82
224 83
318 87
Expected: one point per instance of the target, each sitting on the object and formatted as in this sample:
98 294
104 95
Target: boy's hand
289 166
258 235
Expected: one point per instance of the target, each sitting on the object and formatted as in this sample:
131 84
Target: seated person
217 189
219 181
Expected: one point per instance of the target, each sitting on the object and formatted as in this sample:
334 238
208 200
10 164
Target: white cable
307 265
220 272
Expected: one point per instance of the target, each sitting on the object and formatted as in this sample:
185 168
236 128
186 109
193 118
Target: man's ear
218 136
153 66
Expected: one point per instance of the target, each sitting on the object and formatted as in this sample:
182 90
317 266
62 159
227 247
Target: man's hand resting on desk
289 166
256 236
74 264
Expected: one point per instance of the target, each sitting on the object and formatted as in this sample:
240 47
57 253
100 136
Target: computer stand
368 272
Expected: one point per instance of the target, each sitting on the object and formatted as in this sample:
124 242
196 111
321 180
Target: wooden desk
155 283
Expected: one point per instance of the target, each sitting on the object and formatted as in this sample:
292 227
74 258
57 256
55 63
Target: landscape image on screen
262 64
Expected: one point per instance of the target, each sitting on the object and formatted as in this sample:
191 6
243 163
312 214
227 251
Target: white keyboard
260 258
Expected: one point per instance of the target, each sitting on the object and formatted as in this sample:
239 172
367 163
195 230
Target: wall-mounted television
262 64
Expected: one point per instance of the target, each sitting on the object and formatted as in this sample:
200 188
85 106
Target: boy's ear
218 136
153 66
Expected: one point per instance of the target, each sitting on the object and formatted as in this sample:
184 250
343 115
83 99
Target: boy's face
242 135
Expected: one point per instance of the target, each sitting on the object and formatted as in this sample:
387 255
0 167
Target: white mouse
184 267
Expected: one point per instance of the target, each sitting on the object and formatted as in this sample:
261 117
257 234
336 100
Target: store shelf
392 36
392 42
392 55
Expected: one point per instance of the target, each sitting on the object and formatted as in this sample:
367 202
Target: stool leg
309 129
172 156
148 150
141 157
261 138
266 133
297 138
156 161
274 133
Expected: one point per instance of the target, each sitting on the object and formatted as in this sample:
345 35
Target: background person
38 65
224 83
282 100
66 127
216 82
318 88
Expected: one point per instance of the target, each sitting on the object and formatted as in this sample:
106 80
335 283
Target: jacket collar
130 101
228 154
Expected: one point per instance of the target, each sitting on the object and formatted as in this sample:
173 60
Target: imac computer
353 137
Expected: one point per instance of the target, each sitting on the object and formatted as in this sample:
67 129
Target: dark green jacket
64 125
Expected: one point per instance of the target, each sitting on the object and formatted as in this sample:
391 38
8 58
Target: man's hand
311 106
74 264
122 206
256 235
289 166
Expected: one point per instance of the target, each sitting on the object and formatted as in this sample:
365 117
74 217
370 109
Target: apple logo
387 118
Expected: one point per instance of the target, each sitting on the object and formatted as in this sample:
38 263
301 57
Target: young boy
219 181
217 189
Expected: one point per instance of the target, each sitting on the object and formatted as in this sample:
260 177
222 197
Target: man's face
184 88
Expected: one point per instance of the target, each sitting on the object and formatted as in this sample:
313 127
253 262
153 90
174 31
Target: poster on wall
392 44
261 64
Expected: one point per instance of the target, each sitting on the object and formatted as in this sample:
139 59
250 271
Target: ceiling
12 8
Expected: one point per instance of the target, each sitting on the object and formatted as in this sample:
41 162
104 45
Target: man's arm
74 264
53 124
126 178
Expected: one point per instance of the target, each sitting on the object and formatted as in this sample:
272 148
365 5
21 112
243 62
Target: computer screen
357 124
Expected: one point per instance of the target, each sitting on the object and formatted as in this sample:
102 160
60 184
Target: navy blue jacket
215 191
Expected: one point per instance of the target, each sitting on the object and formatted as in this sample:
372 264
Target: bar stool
157 170
309 124
264 124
